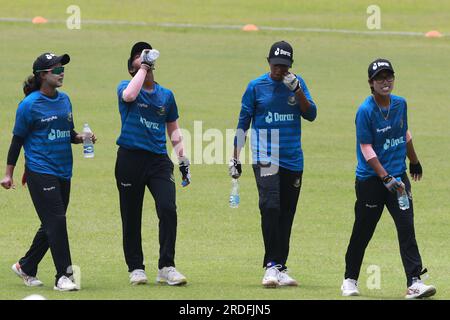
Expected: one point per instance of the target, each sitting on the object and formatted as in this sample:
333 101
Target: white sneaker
138 276
65 284
419 290
171 276
286 280
28 280
270 279
349 288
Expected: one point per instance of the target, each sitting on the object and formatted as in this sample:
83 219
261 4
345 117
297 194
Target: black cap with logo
137 48
281 53
377 66
46 60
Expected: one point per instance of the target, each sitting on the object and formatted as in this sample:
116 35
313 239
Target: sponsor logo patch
390 143
58 134
49 119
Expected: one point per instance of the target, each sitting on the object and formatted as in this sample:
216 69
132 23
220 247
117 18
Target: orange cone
250 27
39 20
433 34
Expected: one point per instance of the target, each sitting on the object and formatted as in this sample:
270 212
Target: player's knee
167 209
270 202
56 225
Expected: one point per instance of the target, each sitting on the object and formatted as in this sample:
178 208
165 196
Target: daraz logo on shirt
58 134
279 117
149 124
390 143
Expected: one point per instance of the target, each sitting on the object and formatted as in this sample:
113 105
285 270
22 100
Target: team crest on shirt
69 117
292 101
161 111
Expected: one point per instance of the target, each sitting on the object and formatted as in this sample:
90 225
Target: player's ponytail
31 84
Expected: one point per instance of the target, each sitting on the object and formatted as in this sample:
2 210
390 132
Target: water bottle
402 196
88 145
234 195
153 54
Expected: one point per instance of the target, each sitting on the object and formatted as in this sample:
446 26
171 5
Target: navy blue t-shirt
387 136
45 124
144 119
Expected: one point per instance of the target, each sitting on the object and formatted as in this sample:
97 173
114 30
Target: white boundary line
228 27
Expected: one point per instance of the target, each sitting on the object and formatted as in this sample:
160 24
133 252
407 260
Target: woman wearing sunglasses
383 143
44 127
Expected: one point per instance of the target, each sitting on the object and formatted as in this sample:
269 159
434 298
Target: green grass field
220 249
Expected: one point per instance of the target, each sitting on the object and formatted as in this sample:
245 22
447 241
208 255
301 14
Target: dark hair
31 84
372 90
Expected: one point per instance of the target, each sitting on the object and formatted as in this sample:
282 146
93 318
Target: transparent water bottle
88 144
402 196
153 54
234 195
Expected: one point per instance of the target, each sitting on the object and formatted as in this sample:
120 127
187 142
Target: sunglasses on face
388 78
56 70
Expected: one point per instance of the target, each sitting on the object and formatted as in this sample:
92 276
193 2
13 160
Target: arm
372 159
304 103
13 154
245 118
174 132
410 152
415 168
389 181
132 90
308 112
75 137
308 109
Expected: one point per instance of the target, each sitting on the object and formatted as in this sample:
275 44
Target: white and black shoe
271 275
171 276
29 281
65 284
138 276
349 288
419 290
284 279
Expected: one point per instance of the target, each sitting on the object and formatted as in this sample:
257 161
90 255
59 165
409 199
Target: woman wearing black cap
44 127
274 104
383 143
147 109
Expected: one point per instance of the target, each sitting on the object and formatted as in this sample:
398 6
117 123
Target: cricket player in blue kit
147 109
44 127
383 141
274 104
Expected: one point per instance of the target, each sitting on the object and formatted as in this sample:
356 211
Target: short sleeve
23 122
363 127
120 89
172 113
